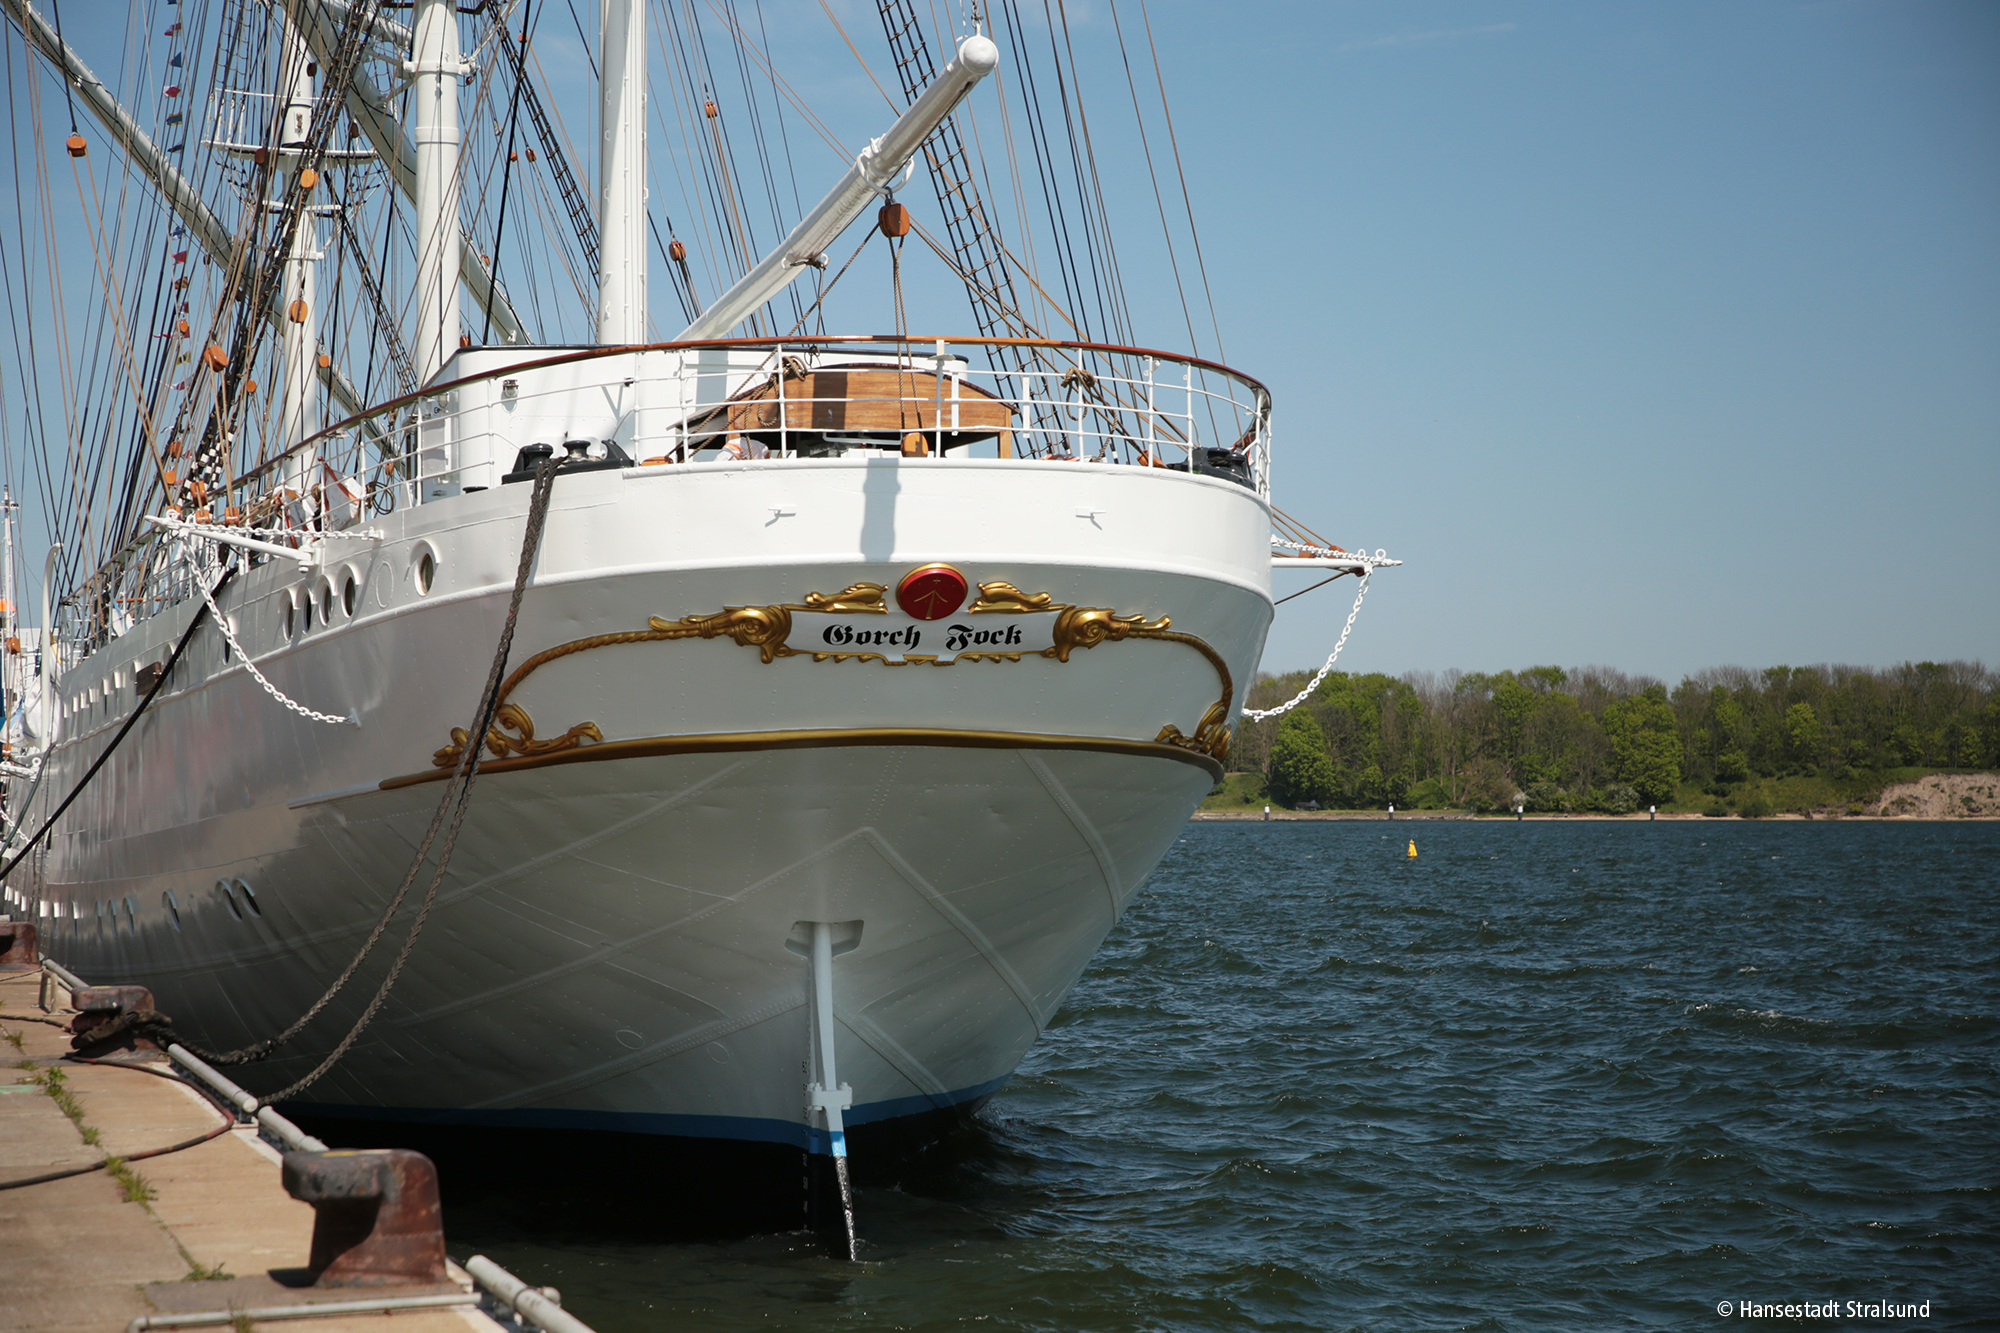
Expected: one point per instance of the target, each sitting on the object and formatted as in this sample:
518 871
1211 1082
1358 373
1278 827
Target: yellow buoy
1413 849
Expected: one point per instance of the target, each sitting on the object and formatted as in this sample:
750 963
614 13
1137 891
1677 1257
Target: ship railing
147 575
929 401
936 399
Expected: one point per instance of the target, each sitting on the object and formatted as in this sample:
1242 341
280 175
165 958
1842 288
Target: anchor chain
236 647
1259 714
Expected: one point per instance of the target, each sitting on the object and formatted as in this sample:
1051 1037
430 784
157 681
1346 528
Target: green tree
1645 744
1300 770
1804 737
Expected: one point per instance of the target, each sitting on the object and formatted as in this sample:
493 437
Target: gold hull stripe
732 741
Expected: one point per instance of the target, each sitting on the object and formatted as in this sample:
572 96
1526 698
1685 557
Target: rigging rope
457 796
453 803
507 162
68 97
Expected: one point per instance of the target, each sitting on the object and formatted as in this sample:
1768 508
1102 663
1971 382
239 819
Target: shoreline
1937 798
1466 816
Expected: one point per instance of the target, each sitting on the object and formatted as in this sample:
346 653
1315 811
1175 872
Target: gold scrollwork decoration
1210 737
761 627
866 597
1088 626
766 629
514 718
1002 596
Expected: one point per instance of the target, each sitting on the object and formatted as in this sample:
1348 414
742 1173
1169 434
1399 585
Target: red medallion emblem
931 592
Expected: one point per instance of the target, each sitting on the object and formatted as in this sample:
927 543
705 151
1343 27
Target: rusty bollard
99 1006
17 945
376 1218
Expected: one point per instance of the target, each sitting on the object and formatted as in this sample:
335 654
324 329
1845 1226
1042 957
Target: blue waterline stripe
747 1129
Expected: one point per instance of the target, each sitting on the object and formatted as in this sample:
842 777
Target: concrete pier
217 1232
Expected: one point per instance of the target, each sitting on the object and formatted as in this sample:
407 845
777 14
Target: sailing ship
857 681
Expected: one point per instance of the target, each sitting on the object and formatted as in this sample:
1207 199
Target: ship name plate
830 635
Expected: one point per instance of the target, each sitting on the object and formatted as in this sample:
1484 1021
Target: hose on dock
228 1123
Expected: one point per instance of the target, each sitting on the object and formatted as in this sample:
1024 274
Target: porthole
350 594
131 918
249 896
173 908
427 568
228 898
306 608
326 602
291 615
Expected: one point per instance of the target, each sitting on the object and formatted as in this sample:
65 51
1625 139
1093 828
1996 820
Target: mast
436 67
621 173
318 21
300 294
10 623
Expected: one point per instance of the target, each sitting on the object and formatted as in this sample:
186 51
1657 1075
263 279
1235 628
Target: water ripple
1548 1076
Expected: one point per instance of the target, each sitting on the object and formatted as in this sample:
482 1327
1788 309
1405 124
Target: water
1550 1075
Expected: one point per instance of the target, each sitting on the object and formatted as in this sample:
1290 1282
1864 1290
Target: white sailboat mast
621 173
301 378
10 623
436 66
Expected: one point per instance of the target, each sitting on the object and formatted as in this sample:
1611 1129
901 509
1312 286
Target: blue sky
1655 335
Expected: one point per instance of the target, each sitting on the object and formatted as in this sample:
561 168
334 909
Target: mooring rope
159 1028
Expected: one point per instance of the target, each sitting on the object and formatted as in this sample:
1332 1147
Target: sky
1653 335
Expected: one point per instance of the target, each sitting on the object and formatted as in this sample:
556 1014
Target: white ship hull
609 948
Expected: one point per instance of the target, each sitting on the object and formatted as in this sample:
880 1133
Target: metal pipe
322 1310
281 1129
827 1096
538 1304
307 556
873 169
822 960
523 1299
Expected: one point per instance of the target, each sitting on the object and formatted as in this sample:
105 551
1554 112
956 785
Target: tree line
1597 739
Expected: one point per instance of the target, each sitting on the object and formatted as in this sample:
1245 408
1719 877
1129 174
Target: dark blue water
1555 1075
